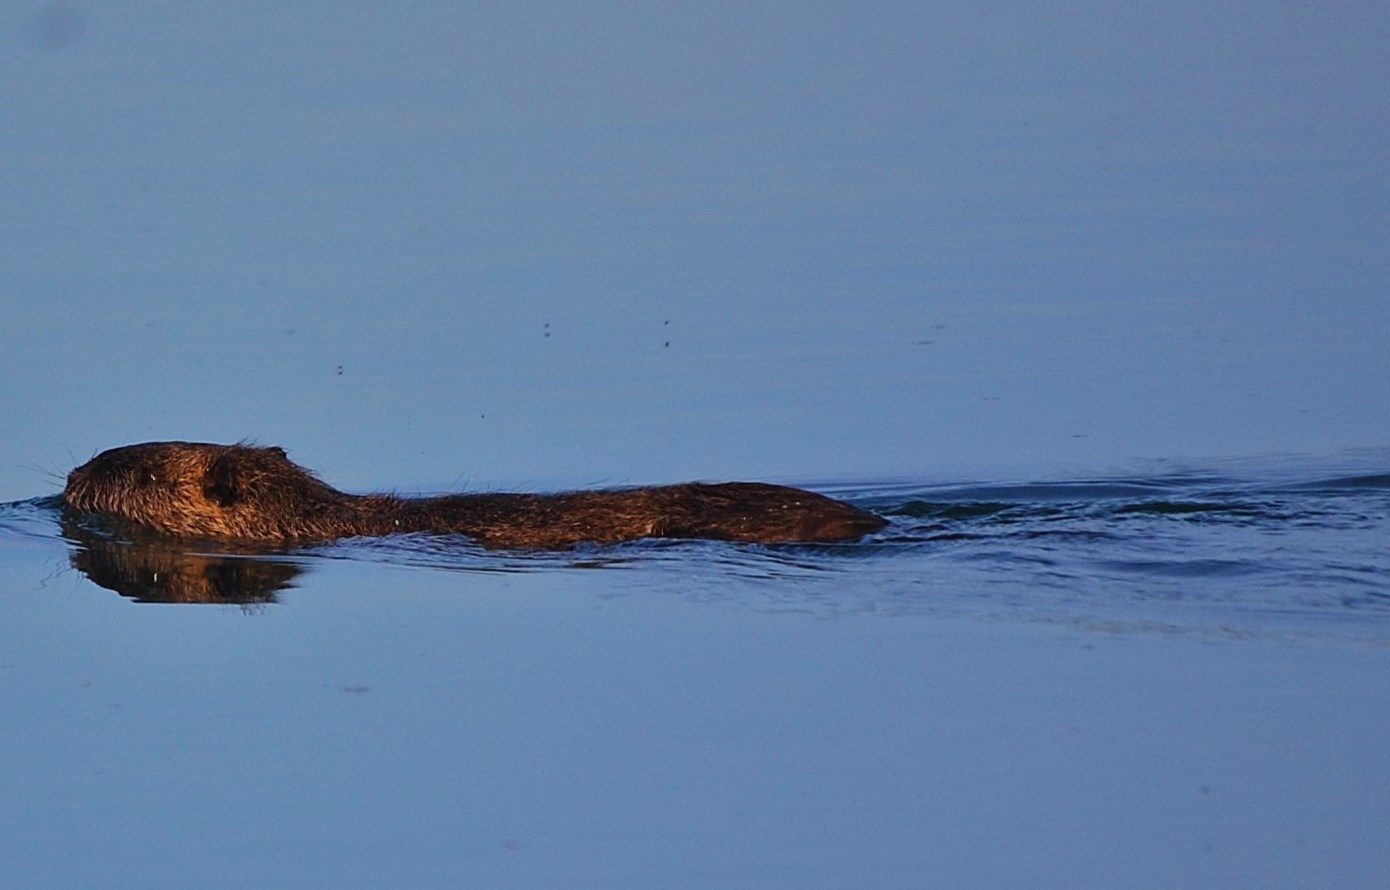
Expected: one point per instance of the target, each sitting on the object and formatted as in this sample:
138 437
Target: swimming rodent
256 495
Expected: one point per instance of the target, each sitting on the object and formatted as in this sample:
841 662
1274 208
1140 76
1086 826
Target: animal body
256 495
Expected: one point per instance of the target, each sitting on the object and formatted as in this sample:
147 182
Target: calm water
1174 678
1089 299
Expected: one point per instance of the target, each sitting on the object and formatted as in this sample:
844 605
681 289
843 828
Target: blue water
1159 679
535 246
1089 300
1281 550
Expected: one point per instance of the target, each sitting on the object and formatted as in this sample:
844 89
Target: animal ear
278 452
221 484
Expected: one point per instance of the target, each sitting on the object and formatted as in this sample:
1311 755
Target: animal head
197 490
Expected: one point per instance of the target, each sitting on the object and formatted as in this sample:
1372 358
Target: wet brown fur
250 494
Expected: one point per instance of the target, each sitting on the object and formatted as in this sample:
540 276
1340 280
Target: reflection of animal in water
243 493
155 572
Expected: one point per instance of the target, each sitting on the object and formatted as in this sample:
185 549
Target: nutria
255 495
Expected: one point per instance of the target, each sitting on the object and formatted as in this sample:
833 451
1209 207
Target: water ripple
1193 549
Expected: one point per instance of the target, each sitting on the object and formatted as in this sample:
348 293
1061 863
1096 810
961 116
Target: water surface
1259 549
1047 285
1170 678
